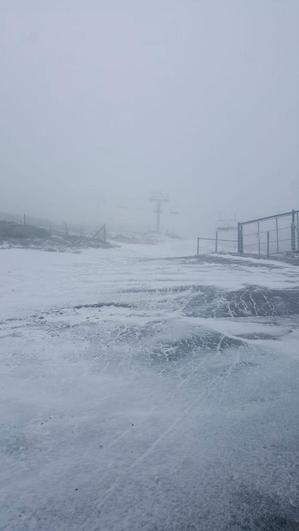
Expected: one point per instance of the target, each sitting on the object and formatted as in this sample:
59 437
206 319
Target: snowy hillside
140 390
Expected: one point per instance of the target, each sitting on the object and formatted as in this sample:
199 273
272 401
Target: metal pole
293 232
268 244
277 238
158 212
216 242
259 237
197 250
240 238
297 231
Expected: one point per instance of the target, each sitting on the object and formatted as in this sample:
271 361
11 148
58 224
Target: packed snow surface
146 389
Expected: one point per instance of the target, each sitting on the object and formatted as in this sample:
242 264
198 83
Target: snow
124 408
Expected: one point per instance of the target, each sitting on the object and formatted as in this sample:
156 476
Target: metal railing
270 235
215 245
62 229
267 236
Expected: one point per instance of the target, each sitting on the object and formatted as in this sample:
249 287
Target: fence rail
62 229
215 245
267 236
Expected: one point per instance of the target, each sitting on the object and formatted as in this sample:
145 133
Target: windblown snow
142 391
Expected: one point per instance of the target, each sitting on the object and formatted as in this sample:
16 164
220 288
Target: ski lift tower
158 199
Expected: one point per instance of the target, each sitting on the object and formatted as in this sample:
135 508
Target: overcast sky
103 102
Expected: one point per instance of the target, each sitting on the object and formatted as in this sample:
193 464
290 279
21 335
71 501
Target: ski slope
143 388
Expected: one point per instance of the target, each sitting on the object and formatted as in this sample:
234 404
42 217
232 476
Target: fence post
277 237
268 244
216 242
197 249
240 238
293 232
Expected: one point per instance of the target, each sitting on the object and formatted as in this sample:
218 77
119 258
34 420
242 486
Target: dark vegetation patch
230 259
207 340
173 289
33 237
11 230
132 334
152 338
102 305
249 301
257 335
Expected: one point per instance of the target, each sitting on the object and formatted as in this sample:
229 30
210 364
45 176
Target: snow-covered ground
141 391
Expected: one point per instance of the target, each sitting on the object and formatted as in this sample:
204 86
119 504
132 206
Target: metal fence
270 235
215 245
62 229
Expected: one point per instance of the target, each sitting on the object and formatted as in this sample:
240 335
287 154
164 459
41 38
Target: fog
148 364
104 102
